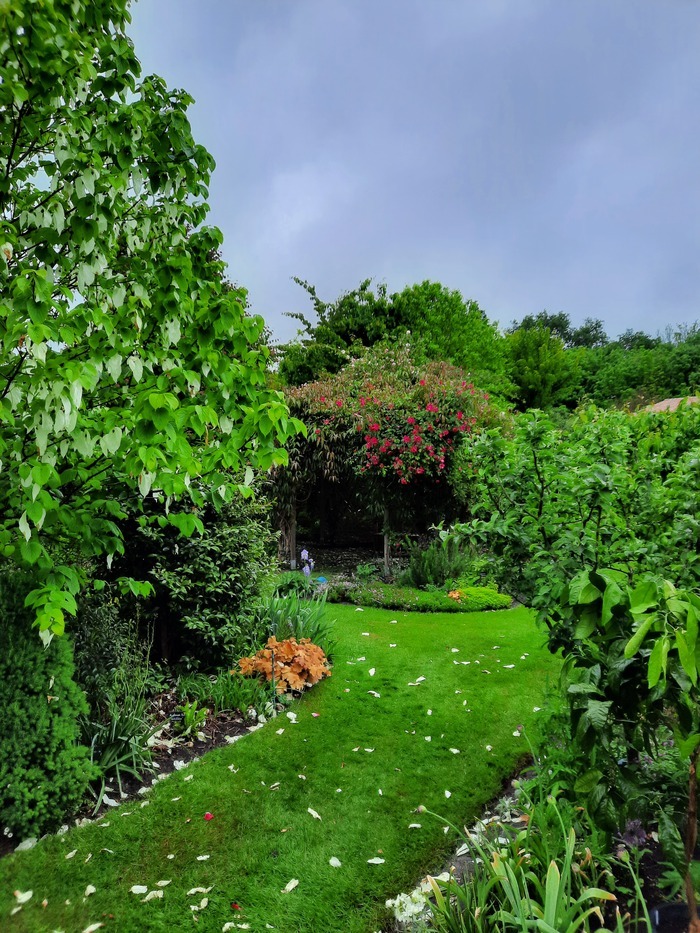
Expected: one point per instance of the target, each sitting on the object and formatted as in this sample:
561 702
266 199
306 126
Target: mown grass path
364 764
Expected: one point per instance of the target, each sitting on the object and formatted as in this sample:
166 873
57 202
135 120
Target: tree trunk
287 550
387 545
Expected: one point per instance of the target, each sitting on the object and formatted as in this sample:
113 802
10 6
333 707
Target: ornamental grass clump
290 665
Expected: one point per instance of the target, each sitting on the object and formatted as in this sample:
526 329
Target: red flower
421 382
431 406
373 427
208 816
411 420
339 402
235 906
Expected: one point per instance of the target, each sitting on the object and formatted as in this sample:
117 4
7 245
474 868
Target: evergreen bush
435 565
44 772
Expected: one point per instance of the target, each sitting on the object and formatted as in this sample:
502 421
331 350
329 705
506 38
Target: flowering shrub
295 665
406 419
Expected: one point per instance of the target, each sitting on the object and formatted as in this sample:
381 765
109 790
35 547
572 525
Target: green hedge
44 773
387 596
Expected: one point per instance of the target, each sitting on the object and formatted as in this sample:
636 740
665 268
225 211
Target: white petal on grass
197 891
202 858
334 862
164 884
448 793
394 622
381 794
375 861
359 609
366 634
496 648
484 671
375 694
93 927
138 889
189 777
428 738
313 813
372 671
489 748
301 776
369 749
71 854
280 731
233 769
152 895
363 658
454 650
289 886
429 712
23 896
175 799
516 734
26 844
445 829
414 826
90 889
202 904
455 751
392 646
170 856
108 802
292 717
536 709
508 667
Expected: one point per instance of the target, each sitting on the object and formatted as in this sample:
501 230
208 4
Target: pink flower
339 402
431 406
208 816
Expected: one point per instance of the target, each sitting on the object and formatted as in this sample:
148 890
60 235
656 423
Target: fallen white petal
189 777
428 738
313 813
175 799
202 858
71 854
375 694
15 910
359 609
26 844
280 731
108 802
372 671
170 856
233 769
164 884
455 650
302 776
369 749
429 712
516 734
489 748
23 896
375 861
509 666
289 886
448 793
414 825
392 646
445 829
455 751
197 891
366 634
93 927
152 895
138 888
394 622
292 717
496 647
90 889
334 862
536 709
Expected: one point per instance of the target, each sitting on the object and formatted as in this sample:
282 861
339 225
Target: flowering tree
390 424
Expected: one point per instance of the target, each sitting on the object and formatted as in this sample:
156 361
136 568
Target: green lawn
364 765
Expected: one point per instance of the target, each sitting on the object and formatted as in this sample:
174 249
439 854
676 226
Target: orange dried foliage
455 594
298 665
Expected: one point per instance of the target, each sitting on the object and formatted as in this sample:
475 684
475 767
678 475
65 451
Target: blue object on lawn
321 580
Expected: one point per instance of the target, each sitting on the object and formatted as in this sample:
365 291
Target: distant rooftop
671 404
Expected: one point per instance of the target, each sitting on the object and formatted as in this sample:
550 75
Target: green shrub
44 773
206 585
439 562
294 581
388 596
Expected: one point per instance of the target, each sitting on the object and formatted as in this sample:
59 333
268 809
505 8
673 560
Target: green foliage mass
435 565
44 772
440 322
128 366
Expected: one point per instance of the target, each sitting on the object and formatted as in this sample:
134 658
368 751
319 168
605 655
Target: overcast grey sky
534 154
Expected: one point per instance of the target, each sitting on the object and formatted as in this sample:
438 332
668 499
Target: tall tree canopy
443 327
128 367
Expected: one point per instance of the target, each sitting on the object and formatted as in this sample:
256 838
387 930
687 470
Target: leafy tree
590 334
441 324
129 368
559 325
544 372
